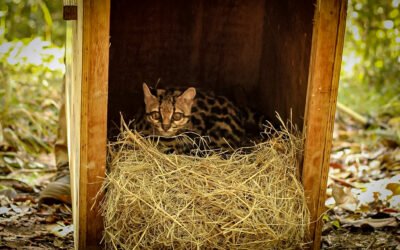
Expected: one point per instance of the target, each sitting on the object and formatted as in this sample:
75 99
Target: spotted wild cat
169 112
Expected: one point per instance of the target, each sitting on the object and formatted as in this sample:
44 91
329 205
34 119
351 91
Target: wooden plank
286 58
93 129
326 54
73 79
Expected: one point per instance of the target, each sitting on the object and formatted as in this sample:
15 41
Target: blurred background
369 80
365 163
32 44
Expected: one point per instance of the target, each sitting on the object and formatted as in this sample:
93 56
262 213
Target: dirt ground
26 225
363 205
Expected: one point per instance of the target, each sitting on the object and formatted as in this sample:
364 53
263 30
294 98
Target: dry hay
247 201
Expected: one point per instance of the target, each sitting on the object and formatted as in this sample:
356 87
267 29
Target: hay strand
245 201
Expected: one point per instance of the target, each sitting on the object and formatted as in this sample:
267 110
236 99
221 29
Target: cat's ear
189 94
148 97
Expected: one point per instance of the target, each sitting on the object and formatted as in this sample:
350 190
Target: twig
356 116
371 244
342 182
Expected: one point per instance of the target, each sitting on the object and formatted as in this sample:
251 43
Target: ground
363 205
24 223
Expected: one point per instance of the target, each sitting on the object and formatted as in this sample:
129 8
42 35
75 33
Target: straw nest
245 201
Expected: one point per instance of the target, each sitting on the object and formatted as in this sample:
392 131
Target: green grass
370 101
31 72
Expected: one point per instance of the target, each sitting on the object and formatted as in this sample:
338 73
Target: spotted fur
170 112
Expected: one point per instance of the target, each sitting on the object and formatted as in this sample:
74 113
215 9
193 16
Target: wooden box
277 55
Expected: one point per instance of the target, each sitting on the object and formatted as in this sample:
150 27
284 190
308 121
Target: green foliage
371 56
21 19
31 70
30 80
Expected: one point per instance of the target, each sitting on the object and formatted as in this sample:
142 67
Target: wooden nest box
275 55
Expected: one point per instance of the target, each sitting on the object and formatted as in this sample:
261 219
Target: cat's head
168 111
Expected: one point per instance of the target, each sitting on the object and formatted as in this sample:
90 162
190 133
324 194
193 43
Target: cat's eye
155 115
177 116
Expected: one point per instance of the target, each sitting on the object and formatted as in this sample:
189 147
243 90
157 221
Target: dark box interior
256 52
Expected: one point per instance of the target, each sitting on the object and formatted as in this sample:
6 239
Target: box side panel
282 86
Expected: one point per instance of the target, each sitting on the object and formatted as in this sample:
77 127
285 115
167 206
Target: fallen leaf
374 155
10 193
336 224
364 208
394 187
36 164
378 191
395 202
16 208
390 210
65 209
394 166
60 230
4 200
375 223
58 243
13 161
341 181
51 219
17 184
375 164
24 197
4 210
330 202
336 165
344 198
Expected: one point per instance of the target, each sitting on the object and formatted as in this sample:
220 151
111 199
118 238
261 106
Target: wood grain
214 45
73 79
285 58
93 125
327 46
86 92
255 52
279 55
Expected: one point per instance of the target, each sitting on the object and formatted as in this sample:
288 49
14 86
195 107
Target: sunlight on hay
247 201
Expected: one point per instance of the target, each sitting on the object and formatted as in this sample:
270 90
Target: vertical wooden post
96 27
326 54
87 90
73 80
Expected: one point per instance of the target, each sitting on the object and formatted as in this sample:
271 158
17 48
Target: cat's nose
166 126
